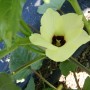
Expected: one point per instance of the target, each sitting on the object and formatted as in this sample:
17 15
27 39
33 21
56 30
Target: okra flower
60 35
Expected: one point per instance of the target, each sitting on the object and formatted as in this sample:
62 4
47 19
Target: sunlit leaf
66 67
54 4
10 14
6 82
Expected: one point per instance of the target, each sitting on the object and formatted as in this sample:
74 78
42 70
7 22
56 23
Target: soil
84 57
51 72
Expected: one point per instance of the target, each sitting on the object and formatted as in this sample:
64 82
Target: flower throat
58 41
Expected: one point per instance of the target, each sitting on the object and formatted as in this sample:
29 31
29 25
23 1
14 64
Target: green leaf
36 65
20 57
54 4
25 29
10 14
66 67
87 84
6 82
31 84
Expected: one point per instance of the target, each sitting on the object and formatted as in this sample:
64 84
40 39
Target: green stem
27 65
21 41
26 27
36 49
24 32
44 79
7 51
78 10
79 65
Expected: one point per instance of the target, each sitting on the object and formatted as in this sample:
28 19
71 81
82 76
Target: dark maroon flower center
58 41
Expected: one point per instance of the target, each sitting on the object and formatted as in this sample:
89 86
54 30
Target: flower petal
51 23
64 52
73 25
72 21
37 39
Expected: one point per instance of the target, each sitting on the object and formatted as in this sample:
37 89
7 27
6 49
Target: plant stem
7 51
78 10
79 65
24 32
27 64
36 49
21 41
25 26
76 80
44 79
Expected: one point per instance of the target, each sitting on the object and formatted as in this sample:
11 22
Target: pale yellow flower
60 35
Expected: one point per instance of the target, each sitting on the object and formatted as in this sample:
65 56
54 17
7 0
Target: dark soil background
49 70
